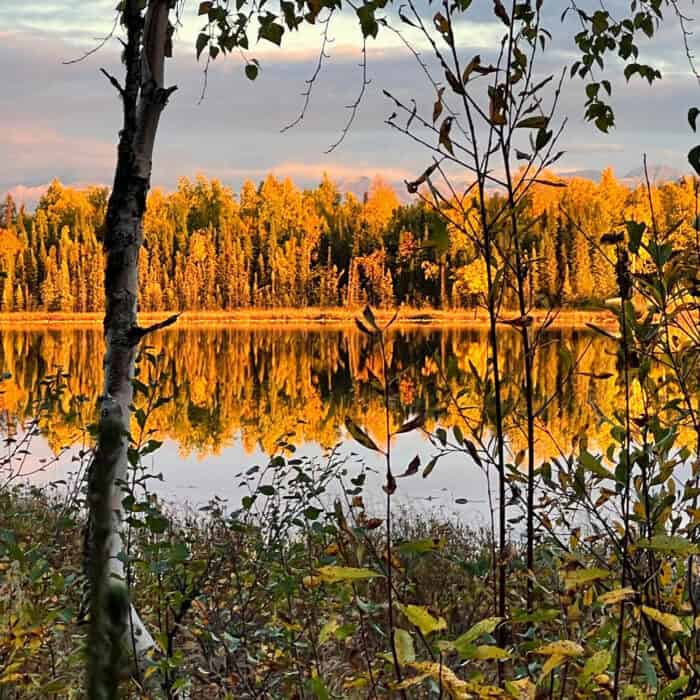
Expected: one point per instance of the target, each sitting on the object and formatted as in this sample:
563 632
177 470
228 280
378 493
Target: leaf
533 123
360 435
694 158
368 22
429 467
456 688
550 664
669 544
667 620
444 139
635 230
318 687
543 137
581 577
272 32
489 652
471 448
617 596
404 646
598 663
593 465
327 631
407 683
251 71
419 616
430 544
335 574
471 67
486 626
411 424
672 689
202 41
412 467
563 647
693 113
204 8
501 12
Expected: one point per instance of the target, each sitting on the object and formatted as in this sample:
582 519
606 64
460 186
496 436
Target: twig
312 80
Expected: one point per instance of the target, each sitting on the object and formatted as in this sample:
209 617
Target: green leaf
582 577
598 663
318 688
272 32
419 616
486 626
533 123
671 689
635 231
669 544
202 41
360 435
404 646
368 22
693 113
251 71
412 424
694 158
422 546
593 465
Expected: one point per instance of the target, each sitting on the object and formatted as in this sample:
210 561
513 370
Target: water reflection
235 391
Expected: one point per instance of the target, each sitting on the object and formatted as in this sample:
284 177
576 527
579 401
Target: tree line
276 245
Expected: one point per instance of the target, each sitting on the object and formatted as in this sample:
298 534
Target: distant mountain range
657 174
360 185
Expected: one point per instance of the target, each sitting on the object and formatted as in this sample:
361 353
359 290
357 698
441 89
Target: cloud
63 121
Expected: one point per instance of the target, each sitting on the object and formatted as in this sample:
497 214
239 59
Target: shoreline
321 317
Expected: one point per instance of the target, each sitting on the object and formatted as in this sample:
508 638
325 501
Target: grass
314 316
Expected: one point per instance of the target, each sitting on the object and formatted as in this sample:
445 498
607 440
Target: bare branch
114 81
137 333
312 80
356 104
101 43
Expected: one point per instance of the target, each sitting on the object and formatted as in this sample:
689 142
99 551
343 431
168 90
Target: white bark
144 97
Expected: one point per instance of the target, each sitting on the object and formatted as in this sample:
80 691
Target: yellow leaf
617 596
563 647
487 652
481 628
327 631
582 577
335 574
522 689
420 617
551 663
410 682
404 646
457 689
667 620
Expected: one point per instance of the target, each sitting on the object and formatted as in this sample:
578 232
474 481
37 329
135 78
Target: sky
62 120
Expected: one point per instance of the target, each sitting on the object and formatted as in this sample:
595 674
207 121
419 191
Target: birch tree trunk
114 623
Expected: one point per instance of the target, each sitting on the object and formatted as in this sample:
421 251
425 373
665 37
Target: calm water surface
233 392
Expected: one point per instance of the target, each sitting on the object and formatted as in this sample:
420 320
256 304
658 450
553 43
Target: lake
234 391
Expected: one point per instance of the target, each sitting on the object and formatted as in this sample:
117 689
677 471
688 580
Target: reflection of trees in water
260 383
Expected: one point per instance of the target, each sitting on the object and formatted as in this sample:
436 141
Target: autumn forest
278 440
275 245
